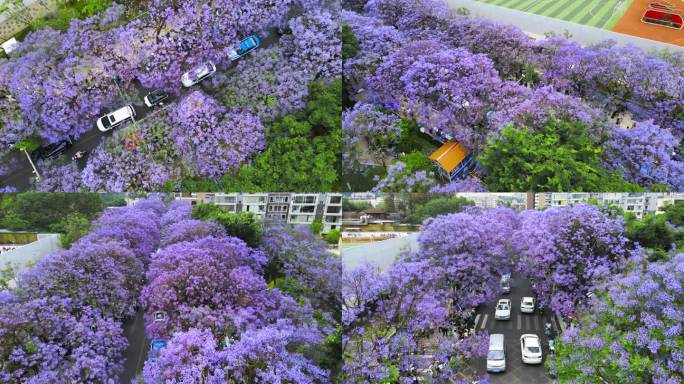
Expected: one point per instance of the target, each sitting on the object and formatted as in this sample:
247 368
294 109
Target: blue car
156 347
247 45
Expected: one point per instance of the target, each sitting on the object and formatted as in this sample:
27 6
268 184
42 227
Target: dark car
50 151
155 97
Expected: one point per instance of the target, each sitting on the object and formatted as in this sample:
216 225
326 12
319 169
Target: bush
333 237
243 225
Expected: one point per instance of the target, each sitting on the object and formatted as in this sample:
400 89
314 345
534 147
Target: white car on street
503 310
116 118
531 349
527 304
198 74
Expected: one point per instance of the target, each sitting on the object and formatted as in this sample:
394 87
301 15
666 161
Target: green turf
597 13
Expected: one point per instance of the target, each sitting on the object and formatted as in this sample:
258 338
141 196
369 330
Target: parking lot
520 323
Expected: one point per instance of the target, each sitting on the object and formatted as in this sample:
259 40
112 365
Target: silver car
198 74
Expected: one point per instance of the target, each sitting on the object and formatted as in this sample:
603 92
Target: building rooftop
449 155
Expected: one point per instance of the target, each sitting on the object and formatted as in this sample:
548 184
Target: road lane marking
527 323
536 323
484 321
519 323
477 319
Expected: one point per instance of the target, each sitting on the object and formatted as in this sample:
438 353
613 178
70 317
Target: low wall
23 256
539 25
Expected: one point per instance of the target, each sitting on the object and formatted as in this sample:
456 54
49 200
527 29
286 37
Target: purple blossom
644 155
58 178
213 141
566 251
370 135
469 184
190 230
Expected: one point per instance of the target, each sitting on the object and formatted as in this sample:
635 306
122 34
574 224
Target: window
335 199
308 209
333 209
304 199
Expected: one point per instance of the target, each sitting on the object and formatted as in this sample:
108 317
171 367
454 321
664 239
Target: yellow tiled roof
449 155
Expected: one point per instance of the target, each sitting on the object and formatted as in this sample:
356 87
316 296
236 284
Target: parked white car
496 356
531 349
503 310
527 304
116 118
198 74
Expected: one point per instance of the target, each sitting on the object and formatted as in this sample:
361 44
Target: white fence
539 25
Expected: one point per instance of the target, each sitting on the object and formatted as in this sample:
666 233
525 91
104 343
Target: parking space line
536 323
484 321
519 324
477 319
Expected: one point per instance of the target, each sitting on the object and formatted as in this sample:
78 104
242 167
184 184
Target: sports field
597 13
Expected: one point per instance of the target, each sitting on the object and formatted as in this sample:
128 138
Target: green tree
324 112
388 203
651 232
333 237
438 206
38 211
28 144
560 157
243 225
674 213
304 149
71 228
350 205
293 161
350 44
316 226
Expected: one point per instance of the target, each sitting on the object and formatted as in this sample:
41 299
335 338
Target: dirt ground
631 24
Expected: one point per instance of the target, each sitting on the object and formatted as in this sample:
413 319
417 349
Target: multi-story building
638 203
278 207
515 201
292 208
307 207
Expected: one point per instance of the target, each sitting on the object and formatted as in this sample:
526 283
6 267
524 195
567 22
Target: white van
496 357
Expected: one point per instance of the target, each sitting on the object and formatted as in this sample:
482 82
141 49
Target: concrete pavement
382 253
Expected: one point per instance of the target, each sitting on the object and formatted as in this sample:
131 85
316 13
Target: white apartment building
292 208
638 203
307 207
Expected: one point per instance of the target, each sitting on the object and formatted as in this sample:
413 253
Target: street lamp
35 170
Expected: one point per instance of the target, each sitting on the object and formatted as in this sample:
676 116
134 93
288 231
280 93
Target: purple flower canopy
640 318
63 322
220 317
566 252
467 78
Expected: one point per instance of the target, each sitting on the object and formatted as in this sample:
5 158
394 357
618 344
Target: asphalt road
21 176
138 345
520 323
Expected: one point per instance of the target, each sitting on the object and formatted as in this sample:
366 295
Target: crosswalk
519 321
